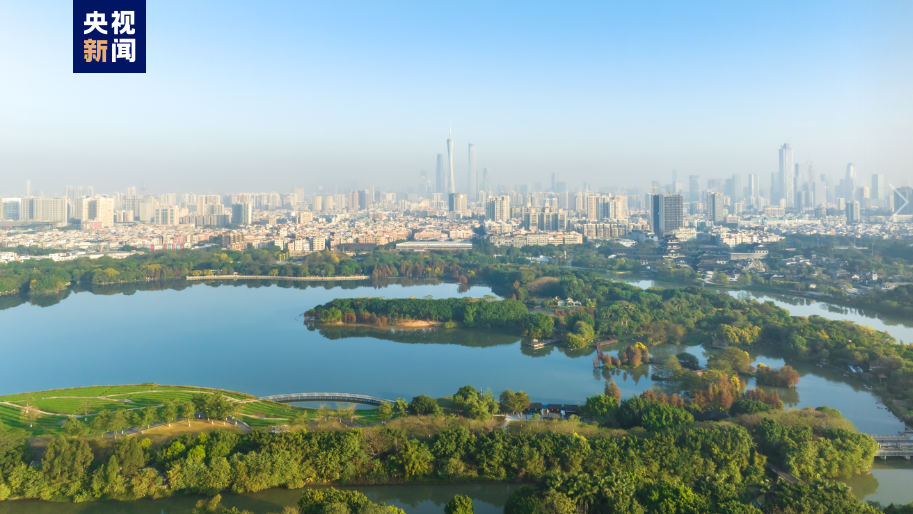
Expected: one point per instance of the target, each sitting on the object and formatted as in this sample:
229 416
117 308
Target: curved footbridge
324 397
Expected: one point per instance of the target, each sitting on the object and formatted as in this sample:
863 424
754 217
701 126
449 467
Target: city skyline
597 93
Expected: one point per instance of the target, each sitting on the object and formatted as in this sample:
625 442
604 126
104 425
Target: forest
469 312
658 456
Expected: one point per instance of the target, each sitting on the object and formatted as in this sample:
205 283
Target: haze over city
239 98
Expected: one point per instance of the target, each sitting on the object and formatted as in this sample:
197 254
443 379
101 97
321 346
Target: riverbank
276 277
399 324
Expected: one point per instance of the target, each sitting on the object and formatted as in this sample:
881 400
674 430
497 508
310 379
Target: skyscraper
878 191
786 187
752 190
498 208
485 186
737 187
472 185
458 203
715 210
850 184
451 188
852 213
243 213
439 175
666 214
694 188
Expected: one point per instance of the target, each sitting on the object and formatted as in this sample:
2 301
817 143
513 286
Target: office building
786 186
878 186
666 214
52 210
849 183
852 212
11 209
498 208
694 188
752 190
471 178
458 203
716 210
102 209
243 213
166 215
451 186
439 175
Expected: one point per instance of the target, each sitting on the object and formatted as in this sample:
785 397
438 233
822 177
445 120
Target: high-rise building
878 189
786 187
850 184
736 187
11 209
451 186
28 188
716 211
52 210
471 182
694 188
243 213
498 208
166 215
439 175
485 185
458 203
553 183
852 212
666 214
102 209
752 190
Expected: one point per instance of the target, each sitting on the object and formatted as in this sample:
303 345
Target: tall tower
850 182
471 183
451 188
28 188
439 175
787 177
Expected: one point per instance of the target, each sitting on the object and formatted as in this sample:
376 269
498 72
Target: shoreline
410 323
266 277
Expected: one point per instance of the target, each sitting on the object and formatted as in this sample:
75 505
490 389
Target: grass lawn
159 435
122 391
273 410
75 405
10 417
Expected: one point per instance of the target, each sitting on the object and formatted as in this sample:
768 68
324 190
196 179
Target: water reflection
473 338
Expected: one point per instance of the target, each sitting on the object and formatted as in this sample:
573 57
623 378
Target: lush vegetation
469 312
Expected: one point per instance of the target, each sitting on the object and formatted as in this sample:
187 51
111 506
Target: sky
262 96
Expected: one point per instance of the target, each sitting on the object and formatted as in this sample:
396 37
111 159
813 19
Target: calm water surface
899 327
249 338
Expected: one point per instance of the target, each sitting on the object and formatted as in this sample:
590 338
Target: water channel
250 337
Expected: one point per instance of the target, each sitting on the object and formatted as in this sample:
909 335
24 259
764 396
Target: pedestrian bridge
326 397
895 445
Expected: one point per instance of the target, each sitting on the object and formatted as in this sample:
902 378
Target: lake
250 337
899 327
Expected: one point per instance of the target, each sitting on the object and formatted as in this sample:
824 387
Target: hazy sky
257 96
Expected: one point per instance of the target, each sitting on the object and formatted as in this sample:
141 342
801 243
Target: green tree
423 405
385 411
459 504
